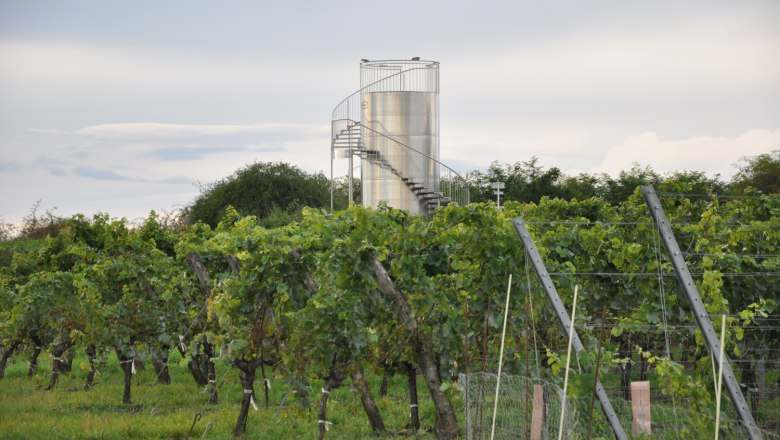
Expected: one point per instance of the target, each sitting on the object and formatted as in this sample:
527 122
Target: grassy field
28 411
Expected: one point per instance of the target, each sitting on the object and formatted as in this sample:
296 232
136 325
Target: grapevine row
337 295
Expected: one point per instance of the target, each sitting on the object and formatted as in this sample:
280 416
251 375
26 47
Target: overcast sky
124 107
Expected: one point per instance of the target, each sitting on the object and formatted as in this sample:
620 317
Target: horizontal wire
673 223
659 327
711 196
653 274
703 254
562 222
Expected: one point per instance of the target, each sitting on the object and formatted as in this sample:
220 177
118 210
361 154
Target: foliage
685 388
305 299
761 172
7 230
525 181
35 225
272 192
528 181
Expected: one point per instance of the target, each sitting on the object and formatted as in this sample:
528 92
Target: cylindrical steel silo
400 124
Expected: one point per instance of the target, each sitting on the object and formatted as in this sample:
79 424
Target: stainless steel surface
392 124
410 118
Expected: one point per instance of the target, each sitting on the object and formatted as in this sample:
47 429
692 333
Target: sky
126 107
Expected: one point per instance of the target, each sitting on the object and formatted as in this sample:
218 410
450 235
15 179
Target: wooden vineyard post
697 306
640 407
563 319
537 416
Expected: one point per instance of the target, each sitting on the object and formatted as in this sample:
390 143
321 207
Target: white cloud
157 130
704 153
719 55
569 147
475 147
79 63
204 152
693 79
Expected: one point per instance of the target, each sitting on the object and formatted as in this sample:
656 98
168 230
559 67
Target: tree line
276 192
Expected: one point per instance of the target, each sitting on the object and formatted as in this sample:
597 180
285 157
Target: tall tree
761 172
617 190
274 192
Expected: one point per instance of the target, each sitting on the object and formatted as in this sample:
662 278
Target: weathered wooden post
537 416
640 407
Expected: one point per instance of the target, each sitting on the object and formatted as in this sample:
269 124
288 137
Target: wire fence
515 409
657 339
671 416
681 374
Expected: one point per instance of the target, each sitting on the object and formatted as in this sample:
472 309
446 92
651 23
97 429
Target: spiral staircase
350 137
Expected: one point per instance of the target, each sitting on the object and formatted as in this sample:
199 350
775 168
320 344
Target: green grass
28 411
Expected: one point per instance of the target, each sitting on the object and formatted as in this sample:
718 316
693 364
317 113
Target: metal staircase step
435 203
348 137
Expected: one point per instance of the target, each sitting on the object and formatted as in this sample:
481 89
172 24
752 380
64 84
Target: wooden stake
640 406
537 418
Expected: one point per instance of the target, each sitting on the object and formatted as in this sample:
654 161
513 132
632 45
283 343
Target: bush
275 193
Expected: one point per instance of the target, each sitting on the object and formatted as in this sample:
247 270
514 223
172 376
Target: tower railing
351 107
452 188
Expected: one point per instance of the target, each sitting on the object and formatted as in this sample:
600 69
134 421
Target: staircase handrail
351 122
335 116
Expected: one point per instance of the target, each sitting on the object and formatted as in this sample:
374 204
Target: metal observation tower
392 125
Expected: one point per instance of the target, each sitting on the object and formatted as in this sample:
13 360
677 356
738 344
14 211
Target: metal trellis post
699 312
563 319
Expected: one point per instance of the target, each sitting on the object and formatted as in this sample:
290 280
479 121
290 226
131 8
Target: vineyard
348 301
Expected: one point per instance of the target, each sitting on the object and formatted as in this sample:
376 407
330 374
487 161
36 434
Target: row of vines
340 295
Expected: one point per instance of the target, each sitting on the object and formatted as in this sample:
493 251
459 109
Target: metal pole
351 155
699 312
563 319
331 176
